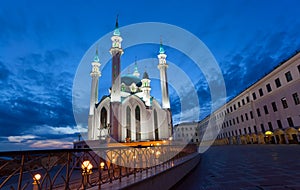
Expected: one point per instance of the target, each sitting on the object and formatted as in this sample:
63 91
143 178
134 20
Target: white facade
266 112
139 116
187 132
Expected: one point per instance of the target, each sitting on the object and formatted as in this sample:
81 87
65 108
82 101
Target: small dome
128 80
145 75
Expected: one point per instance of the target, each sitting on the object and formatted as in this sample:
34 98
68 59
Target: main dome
129 79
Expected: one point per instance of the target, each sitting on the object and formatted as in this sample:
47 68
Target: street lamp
86 167
100 174
36 181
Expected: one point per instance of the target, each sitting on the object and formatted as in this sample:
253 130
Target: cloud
19 139
46 130
45 144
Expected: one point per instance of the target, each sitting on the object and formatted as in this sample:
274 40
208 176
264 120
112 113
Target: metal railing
83 168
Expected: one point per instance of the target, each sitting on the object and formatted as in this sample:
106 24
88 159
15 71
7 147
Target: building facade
187 132
129 113
266 112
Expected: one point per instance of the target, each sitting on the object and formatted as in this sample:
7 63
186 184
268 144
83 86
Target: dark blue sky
42 43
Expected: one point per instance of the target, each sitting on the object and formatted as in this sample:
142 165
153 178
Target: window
274 106
233 120
266 109
258 112
138 123
288 76
262 128
237 120
128 122
251 114
279 124
290 121
255 129
240 131
296 98
284 103
239 104
298 68
234 107
247 99
242 118
261 93
270 126
254 96
243 101
249 129
277 82
268 86
246 115
230 122
245 132
231 108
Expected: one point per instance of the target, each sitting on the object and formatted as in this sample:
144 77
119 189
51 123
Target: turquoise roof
161 49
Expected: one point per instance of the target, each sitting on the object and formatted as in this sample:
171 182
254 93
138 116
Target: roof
129 79
145 75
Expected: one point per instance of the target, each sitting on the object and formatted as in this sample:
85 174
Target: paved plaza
248 167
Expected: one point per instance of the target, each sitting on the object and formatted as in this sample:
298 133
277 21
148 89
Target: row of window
196 134
245 117
288 77
182 129
262 126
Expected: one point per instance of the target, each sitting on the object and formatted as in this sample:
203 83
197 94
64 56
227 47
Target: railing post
21 172
120 165
67 172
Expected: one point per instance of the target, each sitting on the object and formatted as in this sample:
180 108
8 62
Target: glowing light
102 165
268 133
87 166
37 177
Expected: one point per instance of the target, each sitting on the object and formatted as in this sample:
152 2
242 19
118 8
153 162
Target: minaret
116 51
95 74
146 89
162 66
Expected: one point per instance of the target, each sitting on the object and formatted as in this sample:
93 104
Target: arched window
103 117
155 125
128 122
138 123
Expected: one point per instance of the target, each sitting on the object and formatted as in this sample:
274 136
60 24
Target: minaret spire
136 72
117 31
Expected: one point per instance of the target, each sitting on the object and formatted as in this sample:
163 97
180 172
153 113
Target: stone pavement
247 167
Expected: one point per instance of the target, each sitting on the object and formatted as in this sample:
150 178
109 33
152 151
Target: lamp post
36 181
100 173
86 167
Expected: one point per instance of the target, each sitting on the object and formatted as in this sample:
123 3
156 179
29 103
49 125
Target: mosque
129 113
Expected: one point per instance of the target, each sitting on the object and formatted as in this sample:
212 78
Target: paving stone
246 167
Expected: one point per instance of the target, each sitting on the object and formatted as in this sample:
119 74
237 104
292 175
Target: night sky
43 42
